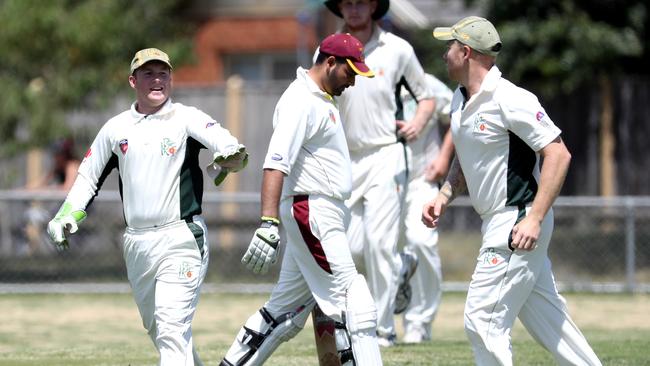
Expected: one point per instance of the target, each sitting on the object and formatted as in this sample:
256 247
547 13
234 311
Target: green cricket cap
476 32
147 55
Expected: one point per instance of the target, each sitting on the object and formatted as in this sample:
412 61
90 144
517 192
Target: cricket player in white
307 177
378 166
428 159
500 131
155 147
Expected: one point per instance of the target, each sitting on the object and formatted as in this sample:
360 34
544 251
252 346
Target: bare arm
554 169
410 130
454 185
439 167
71 170
272 182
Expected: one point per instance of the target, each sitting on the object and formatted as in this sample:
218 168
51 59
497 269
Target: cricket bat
324 328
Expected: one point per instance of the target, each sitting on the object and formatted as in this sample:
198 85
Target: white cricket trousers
506 285
426 283
166 266
378 182
317 260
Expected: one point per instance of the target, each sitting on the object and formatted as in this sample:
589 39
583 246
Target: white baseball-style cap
476 32
149 54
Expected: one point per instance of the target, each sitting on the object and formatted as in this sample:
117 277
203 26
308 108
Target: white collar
167 108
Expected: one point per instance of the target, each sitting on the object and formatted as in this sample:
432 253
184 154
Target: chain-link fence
596 243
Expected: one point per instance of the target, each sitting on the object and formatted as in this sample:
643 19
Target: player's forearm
455 183
81 192
271 191
447 147
424 112
554 170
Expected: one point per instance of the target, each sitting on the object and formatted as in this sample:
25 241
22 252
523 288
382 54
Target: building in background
262 40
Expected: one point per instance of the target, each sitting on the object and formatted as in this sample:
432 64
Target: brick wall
222 36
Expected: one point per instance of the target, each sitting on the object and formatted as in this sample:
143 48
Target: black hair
322 56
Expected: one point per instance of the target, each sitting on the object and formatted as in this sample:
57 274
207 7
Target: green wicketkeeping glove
233 161
226 163
65 219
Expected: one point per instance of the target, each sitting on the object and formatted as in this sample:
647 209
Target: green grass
105 329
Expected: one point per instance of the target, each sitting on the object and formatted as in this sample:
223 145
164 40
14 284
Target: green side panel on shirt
199 236
522 185
191 185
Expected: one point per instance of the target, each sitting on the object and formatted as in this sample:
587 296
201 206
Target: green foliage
560 45
429 52
63 54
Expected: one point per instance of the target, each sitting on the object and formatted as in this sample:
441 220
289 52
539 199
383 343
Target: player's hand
234 160
231 161
436 170
65 220
432 211
263 248
408 130
217 173
525 234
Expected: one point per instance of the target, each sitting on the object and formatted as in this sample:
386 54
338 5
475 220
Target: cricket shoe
386 340
415 333
404 293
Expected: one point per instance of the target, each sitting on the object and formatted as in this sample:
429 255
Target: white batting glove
263 249
65 219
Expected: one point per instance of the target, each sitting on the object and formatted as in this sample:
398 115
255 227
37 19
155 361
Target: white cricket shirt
497 134
368 109
308 143
157 158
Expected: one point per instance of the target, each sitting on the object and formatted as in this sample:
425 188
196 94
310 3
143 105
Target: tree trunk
607 139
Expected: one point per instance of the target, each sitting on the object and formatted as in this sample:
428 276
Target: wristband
271 220
445 192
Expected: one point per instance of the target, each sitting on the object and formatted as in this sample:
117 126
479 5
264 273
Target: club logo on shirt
124 145
168 147
480 124
490 257
276 157
184 271
332 116
210 124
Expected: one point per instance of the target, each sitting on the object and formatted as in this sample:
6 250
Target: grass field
90 329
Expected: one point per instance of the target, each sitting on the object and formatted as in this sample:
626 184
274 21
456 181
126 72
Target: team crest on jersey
332 116
124 146
491 258
168 147
210 124
185 271
480 124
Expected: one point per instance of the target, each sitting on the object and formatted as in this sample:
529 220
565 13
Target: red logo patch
539 115
124 146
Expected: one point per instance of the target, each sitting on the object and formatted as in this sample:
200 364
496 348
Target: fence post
630 252
5 232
